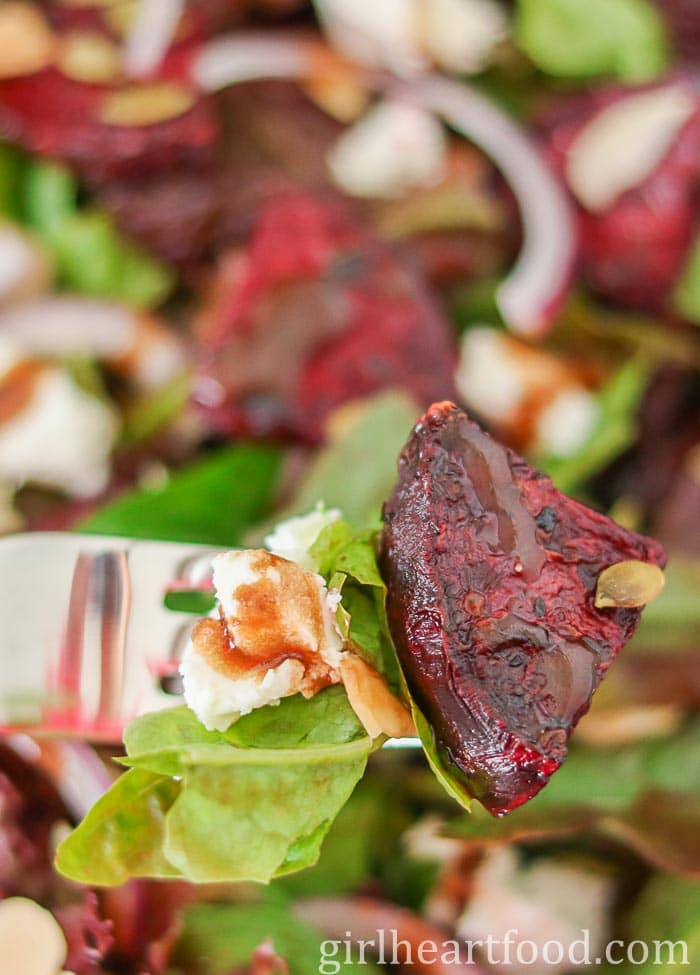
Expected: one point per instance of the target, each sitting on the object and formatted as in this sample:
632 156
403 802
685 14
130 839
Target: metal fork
87 641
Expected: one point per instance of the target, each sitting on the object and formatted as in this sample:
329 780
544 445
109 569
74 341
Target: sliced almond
624 143
27 43
90 57
31 940
380 711
146 104
628 584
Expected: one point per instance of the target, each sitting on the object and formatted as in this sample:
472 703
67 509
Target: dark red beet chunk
318 312
491 576
53 115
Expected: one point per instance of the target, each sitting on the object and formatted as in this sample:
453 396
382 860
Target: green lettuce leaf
211 502
91 255
623 39
646 796
614 432
448 777
343 553
687 292
123 834
219 938
223 807
667 911
350 473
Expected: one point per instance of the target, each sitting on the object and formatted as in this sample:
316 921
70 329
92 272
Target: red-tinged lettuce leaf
88 933
146 920
212 502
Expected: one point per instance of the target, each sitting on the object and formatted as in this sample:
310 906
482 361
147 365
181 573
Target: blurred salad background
243 243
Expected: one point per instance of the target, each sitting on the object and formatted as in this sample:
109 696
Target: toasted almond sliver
628 584
89 56
146 104
27 44
380 711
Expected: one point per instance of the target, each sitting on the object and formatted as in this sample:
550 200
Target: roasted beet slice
491 576
316 313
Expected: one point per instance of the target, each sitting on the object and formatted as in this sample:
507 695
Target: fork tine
112 603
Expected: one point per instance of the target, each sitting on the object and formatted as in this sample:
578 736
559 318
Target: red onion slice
70 325
533 289
75 769
233 58
150 35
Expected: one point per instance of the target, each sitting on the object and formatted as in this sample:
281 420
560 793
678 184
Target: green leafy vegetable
11 175
615 430
212 807
90 254
211 502
624 39
447 776
630 794
667 913
351 473
340 551
687 293
123 834
218 938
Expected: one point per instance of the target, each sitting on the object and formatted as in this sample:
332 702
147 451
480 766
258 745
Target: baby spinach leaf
122 836
211 502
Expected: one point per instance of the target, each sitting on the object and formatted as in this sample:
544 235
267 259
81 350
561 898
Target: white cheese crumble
291 539
394 148
460 34
567 422
489 378
405 36
62 437
547 901
269 607
516 387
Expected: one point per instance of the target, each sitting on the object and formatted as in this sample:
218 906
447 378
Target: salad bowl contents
253 256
